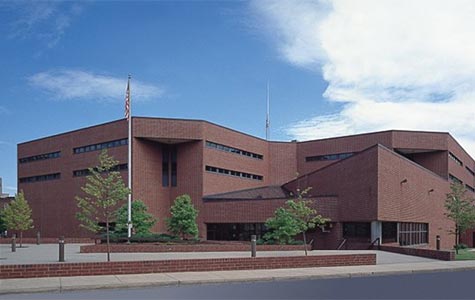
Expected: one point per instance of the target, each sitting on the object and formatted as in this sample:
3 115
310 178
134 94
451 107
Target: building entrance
389 232
234 231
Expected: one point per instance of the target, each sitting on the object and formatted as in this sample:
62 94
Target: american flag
127 101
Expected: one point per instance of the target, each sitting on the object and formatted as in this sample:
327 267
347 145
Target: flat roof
249 135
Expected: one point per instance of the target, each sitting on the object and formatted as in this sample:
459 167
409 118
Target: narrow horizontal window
471 189
455 158
455 179
39 157
329 157
100 146
233 173
233 150
86 172
37 178
470 171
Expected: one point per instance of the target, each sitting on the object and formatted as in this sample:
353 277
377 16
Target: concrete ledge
422 252
28 240
182 265
199 247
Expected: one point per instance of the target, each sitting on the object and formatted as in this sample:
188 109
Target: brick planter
205 247
423 252
185 265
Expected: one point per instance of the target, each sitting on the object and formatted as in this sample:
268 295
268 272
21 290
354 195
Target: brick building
389 184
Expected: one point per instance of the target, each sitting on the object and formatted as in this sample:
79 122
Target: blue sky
331 71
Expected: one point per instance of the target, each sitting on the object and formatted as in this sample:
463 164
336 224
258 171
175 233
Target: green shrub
140 238
260 242
183 218
296 242
142 220
460 246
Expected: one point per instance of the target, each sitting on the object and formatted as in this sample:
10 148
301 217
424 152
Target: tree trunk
457 239
107 238
305 242
21 239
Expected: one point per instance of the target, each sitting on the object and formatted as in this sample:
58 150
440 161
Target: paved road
48 253
444 285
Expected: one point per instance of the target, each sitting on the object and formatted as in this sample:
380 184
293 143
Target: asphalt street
442 285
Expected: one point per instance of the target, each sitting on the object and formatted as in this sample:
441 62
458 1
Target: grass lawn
464 254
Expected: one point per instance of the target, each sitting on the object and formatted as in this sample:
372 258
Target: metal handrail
342 244
376 240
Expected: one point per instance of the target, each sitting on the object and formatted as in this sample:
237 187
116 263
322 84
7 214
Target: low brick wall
185 265
423 252
48 240
206 247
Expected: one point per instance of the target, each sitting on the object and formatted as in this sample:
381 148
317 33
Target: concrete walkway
48 253
61 284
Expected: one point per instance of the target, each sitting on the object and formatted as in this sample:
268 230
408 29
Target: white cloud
392 64
45 21
81 85
11 190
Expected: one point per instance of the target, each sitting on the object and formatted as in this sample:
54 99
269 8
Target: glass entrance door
389 233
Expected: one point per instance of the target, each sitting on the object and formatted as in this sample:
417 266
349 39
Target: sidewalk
48 253
60 284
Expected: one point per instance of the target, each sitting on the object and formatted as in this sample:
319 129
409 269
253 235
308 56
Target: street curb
178 282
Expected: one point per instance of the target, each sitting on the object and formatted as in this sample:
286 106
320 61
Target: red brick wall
190 179
147 183
419 140
53 203
336 145
353 181
218 183
467 238
459 171
283 163
168 129
436 162
184 265
428 253
189 137
327 240
412 201
258 211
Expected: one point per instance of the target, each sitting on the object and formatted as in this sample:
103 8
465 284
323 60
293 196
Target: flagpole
267 114
129 167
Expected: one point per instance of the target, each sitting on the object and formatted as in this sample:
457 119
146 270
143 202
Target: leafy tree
17 215
183 219
460 209
104 190
141 219
283 226
3 226
298 217
307 217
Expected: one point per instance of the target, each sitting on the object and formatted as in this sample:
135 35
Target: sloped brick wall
428 253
